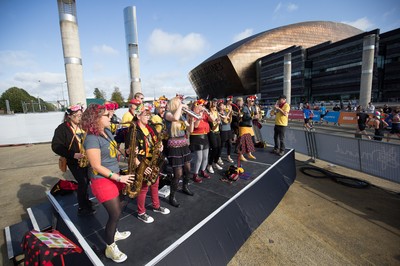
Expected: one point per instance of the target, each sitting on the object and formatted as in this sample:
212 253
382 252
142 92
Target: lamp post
62 92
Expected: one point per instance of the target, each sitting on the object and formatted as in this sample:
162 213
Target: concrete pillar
132 46
72 51
287 77
367 68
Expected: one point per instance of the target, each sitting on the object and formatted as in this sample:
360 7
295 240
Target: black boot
172 200
174 188
185 186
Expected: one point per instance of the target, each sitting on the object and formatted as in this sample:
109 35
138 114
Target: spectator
370 107
386 109
336 108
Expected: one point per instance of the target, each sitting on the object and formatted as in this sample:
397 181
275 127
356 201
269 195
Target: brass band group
188 138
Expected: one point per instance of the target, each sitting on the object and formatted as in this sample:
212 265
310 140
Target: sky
174 37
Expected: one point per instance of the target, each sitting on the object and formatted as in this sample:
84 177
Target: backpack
64 187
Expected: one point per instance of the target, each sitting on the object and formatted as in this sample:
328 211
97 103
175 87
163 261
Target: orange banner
347 118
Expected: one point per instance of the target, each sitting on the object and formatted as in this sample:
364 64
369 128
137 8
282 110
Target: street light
62 91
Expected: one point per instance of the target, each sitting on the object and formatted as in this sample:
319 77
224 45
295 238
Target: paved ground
318 222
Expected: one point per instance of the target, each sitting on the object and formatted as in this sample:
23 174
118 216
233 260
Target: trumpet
191 113
205 110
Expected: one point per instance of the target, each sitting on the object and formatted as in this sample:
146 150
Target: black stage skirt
226 135
178 152
199 142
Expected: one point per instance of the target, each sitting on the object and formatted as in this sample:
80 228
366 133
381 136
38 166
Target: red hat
135 102
229 98
252 97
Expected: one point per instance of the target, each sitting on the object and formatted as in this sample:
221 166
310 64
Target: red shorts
105 189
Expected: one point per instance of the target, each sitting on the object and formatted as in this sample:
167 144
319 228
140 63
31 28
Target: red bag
63 187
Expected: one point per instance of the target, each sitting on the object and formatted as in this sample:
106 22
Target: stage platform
207 229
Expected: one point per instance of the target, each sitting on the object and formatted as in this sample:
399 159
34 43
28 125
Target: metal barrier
377 158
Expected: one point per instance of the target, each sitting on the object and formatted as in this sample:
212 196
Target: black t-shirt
362 118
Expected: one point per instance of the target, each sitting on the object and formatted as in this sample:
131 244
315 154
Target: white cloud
47 85
242 35
104 50
361 23
277 8
10 58
162 43
291 7
166 83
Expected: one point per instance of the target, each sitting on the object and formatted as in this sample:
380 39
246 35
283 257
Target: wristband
110 174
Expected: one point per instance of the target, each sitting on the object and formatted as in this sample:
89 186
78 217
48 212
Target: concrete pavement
318 222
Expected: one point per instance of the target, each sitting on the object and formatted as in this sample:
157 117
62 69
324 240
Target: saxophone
83 161
156 163
132 190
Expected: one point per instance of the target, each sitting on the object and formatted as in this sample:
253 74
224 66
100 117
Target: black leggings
81 176
179 172
114 210
215 147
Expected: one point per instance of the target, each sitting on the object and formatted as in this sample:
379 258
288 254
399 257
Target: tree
99 94
16 96
117 97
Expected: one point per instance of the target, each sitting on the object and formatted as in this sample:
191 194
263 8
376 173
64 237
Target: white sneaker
230 160
121 235
216 166
220 162
113 252
210 169
162 210
145 218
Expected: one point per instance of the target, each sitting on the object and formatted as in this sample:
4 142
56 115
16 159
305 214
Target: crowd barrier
32 128
377 158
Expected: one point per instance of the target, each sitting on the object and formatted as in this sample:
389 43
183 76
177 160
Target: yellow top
126 119
281 119
158 122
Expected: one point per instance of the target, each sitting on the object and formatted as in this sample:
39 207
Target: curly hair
91 118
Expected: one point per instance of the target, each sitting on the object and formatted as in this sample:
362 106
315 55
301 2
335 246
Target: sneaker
162 210
274 151
230 160
216 166
113 252
251 156
197 179
220 162
121 235
242 158
86 211
281 153
204 174
210 169
145 218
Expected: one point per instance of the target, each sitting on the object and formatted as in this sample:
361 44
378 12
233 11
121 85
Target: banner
347 118
332 117
296 115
